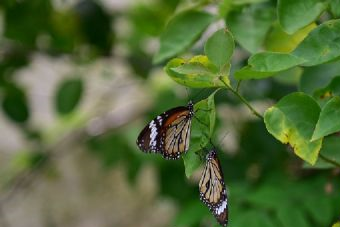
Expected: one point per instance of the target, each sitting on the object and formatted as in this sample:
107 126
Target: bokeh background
77 84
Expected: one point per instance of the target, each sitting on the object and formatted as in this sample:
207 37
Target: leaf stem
329 160
257 114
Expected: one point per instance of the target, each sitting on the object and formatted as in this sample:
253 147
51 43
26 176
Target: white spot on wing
221 208
153 135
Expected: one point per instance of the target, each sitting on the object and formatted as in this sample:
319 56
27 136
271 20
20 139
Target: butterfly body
168 133
212 188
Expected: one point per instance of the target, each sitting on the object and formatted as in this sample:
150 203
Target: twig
243 100
329 160
238 85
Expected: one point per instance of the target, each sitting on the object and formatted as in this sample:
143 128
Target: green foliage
266 64
292 121
328 120
290 16
321 45
182 31
219 48
68 95
250 25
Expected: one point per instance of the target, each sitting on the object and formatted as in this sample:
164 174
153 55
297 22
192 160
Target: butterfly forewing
212 188
168 133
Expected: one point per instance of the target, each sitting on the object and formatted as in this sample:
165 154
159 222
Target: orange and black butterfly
169 133
212 188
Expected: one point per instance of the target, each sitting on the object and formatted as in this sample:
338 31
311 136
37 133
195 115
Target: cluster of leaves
298 119
280 39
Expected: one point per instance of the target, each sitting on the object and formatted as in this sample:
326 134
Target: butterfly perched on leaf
212 188
169 133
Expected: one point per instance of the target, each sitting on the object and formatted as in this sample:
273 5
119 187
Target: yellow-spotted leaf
292 121
321 45
198 72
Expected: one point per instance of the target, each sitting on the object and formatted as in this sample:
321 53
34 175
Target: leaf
181 32
321 45
316 77
68 95
292 120
266 64
219 47
289 216
201 131
279 41
250 25
329 120
331 150
198 72
14 104
296 14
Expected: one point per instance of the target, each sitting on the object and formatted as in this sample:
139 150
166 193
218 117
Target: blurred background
77 85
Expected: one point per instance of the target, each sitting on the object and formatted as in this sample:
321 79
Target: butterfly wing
176 134
168 133
212 188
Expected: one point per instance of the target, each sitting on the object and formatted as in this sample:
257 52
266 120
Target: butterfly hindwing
212 188
168 133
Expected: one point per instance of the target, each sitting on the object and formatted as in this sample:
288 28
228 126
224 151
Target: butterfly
212 188
169 133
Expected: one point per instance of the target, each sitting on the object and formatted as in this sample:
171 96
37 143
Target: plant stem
329 160
257 114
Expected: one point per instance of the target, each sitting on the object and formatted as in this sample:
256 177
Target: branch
257 114
329 160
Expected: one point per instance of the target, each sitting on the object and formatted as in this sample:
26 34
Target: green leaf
181 32
201 131
290 216
316 77
279 41
68 95
296 14
331 150
250 25
329 120
266 64
335 7
292 120
321 45
197 72
14 104
219 47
